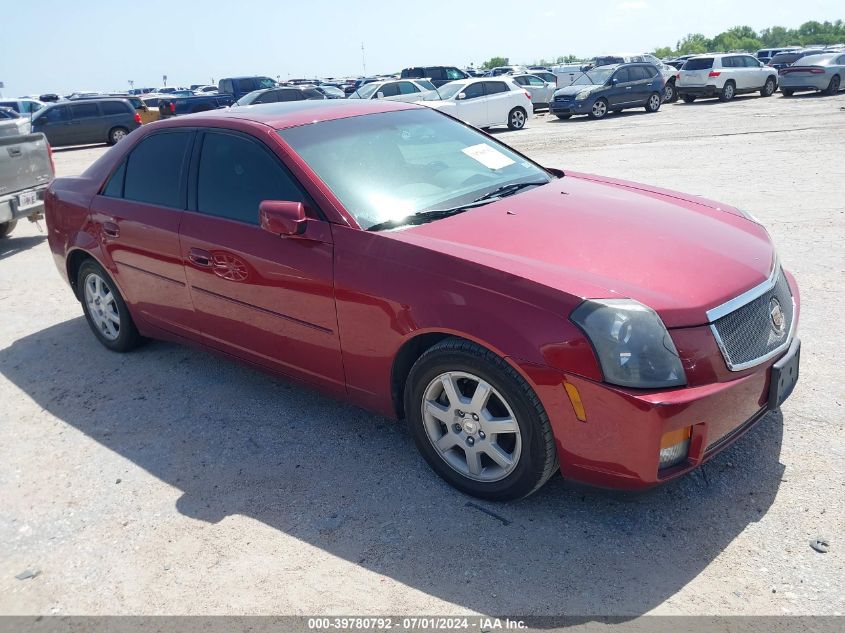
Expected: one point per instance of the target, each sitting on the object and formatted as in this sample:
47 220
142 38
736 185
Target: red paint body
334 305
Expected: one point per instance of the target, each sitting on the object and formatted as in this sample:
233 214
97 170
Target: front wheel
787 92
105 310
599 109
477 423
7 227
768 88
516 119
688 99
653 103
117 134
563 117
833 86
728 92
670 94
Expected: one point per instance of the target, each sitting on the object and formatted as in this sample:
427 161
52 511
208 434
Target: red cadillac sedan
521 319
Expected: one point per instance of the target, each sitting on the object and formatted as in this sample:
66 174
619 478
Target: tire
670 93
517 118
117 134
833 86
768 88
728 91
448 437
654 102
599 109
563 117
7 227
688 98
787 92
105 310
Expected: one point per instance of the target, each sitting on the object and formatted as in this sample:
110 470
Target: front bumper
10 208
618 445
570 107
698 91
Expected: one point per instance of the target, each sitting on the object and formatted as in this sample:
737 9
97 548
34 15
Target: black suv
88 121
438 75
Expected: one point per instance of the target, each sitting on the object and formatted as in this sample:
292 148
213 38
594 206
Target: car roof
295 113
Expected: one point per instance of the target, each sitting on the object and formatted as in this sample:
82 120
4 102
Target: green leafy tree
663 51
495 61
693 43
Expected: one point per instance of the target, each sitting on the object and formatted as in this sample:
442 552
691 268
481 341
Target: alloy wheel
471 426
599 109
654 103
517 119
102 306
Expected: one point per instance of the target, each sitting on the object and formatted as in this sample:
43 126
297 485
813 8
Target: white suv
724 76
483 102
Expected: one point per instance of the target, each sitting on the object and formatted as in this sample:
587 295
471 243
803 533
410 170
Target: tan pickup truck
26 168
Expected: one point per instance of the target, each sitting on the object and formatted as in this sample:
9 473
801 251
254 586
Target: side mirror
281 217
460 96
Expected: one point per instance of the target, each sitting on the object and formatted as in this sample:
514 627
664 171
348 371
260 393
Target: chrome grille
747 335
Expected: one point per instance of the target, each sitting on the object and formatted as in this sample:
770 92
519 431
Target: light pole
363 59
131 85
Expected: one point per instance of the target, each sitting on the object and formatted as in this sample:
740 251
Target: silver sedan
542 92
824 72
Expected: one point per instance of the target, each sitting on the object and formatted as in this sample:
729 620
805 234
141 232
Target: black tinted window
154 171
638 73
389 90
434 73
84 110
267 97
236 174
413 72
473 91
114 107
246 85
289 95
114 188
55 114
407 88
621 76
312 93
494 87
702 63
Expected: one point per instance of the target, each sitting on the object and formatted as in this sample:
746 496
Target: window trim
194 170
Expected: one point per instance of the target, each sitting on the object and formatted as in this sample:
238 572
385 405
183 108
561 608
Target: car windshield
425 83
331 90
390 165
366 91
596 76
446 91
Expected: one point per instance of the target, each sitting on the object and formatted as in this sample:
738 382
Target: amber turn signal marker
575 399
675 437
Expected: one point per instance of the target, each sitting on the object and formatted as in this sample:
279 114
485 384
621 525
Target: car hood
571 91
592 237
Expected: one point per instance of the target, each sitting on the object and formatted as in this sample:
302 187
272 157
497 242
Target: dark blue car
610 89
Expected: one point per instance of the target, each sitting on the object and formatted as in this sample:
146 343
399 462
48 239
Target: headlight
632 344
582 95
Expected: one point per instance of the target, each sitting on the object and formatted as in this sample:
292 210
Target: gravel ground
169 481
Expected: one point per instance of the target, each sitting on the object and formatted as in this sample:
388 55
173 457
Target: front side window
270 96
473 91
407 88
55 115
236 174
622 76
155 169
390 165
389 90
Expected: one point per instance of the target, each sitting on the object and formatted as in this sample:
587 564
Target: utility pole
363 59
131 85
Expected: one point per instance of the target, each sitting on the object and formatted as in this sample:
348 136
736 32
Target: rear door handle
200 257
111 229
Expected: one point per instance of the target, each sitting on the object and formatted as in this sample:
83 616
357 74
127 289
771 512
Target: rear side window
114 107
236 174
700 63
155 170
495 87
312 93
638 73
84 111
407 88
289 95
114 187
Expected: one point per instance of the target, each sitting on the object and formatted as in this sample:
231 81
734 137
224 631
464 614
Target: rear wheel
728 92
105 310
516 119
833 86
599 109
653 103
117 134
768 88
7 227
477 423
787 92
688 99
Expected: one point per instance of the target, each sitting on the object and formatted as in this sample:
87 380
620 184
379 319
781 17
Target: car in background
141 91
545 75
12 123
8 113
725 76
678 62
670 94
788 58
765 55
541 91
498 71
26 169
438 75
86 121
824 72
565 74
610 89
147 114
483 102
523 322
281 94
237 87
331 91
205 90
169 90
24 107
169 105
407 90
49 97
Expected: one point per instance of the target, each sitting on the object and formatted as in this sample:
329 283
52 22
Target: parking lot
172 481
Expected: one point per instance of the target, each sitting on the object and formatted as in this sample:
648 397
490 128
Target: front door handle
111 229
200 257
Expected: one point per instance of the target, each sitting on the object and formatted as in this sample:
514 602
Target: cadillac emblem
776 316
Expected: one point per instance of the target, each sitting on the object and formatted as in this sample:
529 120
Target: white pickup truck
26 168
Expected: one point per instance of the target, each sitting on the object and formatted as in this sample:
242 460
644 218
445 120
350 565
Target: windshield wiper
421 217
509 190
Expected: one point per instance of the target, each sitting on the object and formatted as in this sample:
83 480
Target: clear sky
66 45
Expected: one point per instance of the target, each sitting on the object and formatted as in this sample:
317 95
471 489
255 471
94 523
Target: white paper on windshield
488 156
